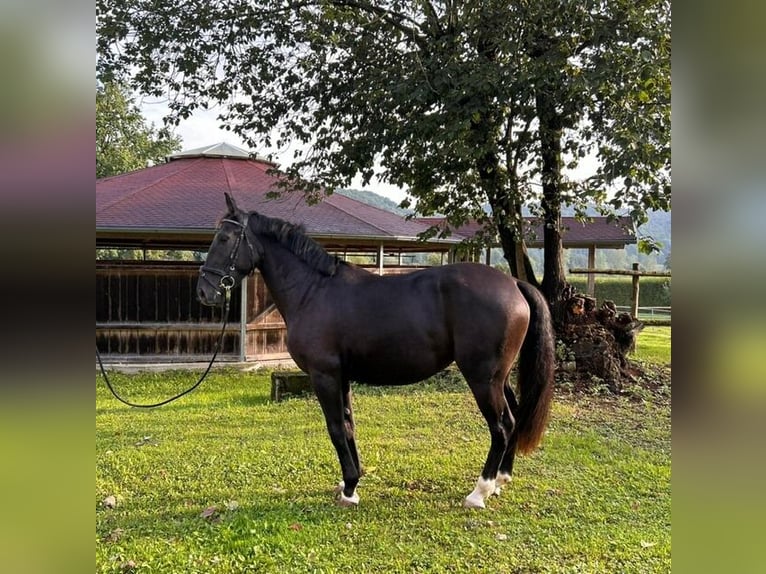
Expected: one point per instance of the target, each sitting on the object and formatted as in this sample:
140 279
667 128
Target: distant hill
374 199
659 227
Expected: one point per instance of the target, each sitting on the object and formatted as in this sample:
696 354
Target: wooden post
380 259
243 322
591 290
634 293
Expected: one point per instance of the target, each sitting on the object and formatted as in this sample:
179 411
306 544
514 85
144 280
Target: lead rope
227 299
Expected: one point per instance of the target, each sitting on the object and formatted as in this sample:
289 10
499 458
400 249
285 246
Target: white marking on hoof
344 500
483 489
347 501
502 479
473 500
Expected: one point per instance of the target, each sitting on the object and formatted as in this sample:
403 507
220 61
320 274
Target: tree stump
598 339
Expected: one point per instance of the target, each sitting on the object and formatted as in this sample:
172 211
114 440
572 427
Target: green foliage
443 99
652 292
123 140
227 481
105 254
605 259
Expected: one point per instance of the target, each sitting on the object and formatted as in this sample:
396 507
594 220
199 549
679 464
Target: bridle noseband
227 281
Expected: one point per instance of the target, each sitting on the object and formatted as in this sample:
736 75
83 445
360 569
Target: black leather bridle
227 281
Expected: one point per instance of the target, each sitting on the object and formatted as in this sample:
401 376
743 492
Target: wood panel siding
150 308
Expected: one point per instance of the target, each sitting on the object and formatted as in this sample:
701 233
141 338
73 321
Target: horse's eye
223 238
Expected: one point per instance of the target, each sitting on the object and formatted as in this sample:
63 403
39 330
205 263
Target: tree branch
433 16
394 19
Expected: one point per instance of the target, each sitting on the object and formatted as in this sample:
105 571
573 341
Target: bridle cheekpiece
227 281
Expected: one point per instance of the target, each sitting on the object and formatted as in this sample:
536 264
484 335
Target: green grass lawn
653 345
226 481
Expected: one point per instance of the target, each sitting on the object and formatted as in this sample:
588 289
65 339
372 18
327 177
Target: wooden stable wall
148 311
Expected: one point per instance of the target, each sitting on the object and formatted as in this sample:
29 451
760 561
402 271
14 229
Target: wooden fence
636 274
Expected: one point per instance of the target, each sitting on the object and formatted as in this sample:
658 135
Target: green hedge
653 291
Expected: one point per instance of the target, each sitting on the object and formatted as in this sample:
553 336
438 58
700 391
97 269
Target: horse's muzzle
208 294
202 296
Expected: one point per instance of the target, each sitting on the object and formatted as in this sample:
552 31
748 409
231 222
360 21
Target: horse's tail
537 364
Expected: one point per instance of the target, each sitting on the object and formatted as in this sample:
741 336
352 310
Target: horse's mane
294 238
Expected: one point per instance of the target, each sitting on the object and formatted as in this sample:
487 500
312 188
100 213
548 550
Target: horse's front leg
330 394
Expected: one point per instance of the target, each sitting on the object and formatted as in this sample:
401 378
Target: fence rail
650 315
636 274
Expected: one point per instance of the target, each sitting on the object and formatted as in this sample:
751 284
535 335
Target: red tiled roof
599 231
186 195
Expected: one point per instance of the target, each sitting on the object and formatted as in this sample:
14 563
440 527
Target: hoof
484 488
348 501
474 500
343 500
501 480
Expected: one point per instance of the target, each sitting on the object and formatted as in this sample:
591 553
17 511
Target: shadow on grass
447 381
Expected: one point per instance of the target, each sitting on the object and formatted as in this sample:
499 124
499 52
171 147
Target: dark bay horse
347 324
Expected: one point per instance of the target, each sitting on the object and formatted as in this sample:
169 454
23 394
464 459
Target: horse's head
233 254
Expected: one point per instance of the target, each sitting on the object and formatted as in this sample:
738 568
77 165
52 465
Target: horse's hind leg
506 465
333 403
490 398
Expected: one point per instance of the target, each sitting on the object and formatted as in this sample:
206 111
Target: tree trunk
598 340
512 239
503 196
554 277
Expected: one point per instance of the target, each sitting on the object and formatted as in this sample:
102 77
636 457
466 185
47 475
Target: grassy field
226 481
654 345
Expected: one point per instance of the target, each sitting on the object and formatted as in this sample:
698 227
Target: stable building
592 234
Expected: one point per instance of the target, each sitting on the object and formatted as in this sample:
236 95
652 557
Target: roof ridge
347 212
226 174
145 187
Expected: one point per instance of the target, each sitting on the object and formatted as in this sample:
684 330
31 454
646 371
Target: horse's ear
230 203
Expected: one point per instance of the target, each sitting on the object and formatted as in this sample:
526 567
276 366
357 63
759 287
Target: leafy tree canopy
124 142
445 99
